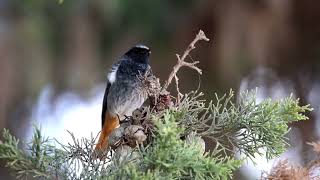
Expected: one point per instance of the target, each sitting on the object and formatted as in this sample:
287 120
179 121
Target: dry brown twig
285 171
315 145
181 61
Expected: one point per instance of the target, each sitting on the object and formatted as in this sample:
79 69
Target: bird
124 92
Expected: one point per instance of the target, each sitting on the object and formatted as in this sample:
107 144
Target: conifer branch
244 126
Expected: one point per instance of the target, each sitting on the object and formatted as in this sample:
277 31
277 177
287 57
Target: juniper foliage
247 127
40 159
241 125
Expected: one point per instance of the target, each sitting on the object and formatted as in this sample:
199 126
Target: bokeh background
54 58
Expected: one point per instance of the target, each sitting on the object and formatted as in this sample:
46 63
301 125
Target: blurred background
54 58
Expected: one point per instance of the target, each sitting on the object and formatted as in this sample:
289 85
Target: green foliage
170 157
41 160
173 158
247 127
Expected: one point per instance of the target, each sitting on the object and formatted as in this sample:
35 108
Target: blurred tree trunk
7 73
81 50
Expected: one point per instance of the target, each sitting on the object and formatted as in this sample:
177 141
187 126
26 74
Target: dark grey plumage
124 92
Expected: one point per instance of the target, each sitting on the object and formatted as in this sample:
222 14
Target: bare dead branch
180 95
181 61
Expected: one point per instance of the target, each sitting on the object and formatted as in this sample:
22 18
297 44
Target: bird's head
139 53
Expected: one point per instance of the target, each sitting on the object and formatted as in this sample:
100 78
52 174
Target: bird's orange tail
110 123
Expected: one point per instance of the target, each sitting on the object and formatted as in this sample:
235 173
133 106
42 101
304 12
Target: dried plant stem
181 62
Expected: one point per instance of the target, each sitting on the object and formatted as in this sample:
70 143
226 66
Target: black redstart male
124 92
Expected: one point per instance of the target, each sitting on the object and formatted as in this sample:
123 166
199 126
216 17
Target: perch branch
181 62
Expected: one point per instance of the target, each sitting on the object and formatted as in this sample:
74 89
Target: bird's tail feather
111 122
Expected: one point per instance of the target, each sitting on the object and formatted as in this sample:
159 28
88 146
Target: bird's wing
113 73
111 79
104 103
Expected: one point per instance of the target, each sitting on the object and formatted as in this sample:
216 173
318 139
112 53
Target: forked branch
181 61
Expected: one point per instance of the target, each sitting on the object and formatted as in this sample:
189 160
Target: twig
181 62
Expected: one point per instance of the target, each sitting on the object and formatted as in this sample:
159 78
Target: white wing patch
113 73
